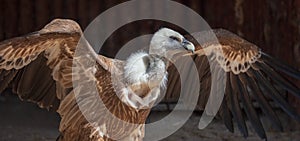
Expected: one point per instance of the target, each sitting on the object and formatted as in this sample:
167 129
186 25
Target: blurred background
273 25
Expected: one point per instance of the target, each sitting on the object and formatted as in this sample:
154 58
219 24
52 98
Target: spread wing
38 66
252 78
50 66
31 65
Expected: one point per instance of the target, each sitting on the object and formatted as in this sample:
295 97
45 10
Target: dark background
273 25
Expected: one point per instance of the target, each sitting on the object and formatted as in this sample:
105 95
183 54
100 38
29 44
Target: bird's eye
174 38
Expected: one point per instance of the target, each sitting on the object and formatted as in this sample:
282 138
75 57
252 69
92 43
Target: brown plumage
39 67
252 76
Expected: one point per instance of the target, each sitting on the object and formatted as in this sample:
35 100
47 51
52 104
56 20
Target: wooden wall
274 25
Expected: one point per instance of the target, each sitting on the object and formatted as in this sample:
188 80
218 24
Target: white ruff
134 70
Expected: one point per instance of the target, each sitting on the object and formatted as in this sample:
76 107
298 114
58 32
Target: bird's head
167 40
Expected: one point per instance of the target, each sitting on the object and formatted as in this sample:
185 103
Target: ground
25 121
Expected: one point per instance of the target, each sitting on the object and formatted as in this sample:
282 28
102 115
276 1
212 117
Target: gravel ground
25 121
216 131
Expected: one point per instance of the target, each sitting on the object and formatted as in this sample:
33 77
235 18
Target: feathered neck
144 76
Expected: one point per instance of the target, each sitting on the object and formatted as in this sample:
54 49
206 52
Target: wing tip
278 65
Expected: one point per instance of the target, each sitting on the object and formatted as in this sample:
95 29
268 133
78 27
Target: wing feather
235 105
252 77
263 102
285 84
5 78
25 58
38 66
275 63
248 107
275 95
226 108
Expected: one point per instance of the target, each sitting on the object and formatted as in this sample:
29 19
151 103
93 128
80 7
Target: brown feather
224 109
284 83
277 64
235 105
276 96
249 109
262 101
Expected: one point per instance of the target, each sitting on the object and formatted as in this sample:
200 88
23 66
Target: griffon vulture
39 67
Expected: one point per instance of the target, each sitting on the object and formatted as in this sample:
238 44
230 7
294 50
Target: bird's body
56 71
132 97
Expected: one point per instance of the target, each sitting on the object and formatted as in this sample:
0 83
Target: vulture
57 69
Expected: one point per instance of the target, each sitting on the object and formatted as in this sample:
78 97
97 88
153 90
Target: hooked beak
188 45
